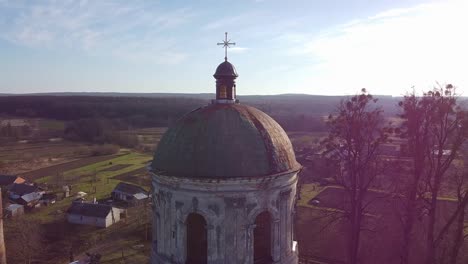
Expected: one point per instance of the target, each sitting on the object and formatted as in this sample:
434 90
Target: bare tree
356 133
451 236
415 129
434 131
24 240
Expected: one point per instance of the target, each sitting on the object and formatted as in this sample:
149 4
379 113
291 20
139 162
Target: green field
95 179
306 139
308 192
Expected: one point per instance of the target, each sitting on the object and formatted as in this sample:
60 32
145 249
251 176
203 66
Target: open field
25 158
138 177
20 151
96 176
321 229
148 137
305 139
60 168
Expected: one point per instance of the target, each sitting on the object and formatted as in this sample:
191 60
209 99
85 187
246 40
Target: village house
100 215
132 194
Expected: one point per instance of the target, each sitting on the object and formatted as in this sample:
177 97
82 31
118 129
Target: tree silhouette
356 132
434 127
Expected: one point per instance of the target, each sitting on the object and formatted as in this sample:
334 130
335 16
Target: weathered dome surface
224 141
225 69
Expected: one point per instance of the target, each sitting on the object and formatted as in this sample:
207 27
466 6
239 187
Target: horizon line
169 93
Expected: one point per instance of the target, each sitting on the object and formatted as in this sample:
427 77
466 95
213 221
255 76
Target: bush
105 149
82 151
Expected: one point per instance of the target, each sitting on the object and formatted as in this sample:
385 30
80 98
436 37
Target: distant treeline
89 118
134 111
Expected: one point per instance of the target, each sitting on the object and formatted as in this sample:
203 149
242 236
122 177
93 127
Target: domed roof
225 69
224 141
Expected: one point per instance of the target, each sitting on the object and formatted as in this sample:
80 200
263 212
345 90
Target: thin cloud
105 27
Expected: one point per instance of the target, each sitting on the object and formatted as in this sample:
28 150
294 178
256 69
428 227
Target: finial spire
226 44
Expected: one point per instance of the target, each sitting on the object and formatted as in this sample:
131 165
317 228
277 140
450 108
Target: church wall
229 208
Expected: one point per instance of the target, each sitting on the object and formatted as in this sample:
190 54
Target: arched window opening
262 239
197 243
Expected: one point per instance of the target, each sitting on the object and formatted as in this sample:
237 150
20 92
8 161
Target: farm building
30 200
99 215
14 210
130 193
8 180
18 190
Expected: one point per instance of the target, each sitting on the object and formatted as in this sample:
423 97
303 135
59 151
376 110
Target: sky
326 47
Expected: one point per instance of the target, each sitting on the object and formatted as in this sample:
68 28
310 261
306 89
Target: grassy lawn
306 139
128 250
127 241
308 192
95 179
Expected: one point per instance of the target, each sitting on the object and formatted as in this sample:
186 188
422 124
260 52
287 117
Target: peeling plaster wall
229 207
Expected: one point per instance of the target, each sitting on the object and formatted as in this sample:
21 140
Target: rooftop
129 188
8 179
22 189
89 209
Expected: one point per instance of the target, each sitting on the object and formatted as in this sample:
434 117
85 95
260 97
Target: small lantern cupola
225 76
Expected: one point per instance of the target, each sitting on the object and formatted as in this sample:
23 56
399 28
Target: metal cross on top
226 44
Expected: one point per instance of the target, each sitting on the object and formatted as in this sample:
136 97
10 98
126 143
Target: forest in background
89 116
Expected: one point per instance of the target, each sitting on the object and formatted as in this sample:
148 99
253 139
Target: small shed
14 210
100 215
130 193
31 199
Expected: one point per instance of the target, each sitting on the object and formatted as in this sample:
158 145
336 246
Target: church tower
224 185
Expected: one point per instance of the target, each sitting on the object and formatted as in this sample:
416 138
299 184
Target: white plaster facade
111 218
230 207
